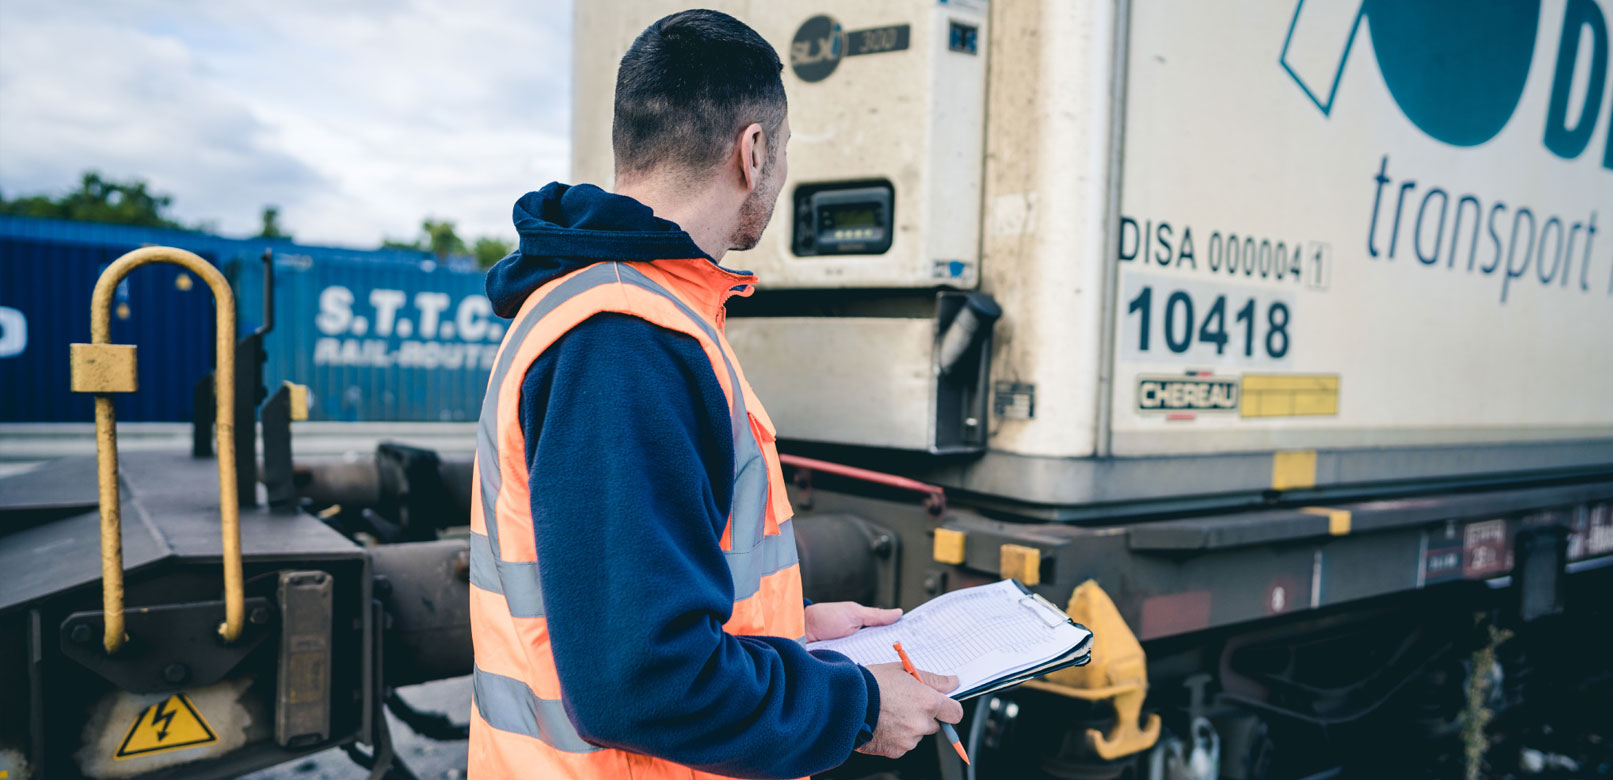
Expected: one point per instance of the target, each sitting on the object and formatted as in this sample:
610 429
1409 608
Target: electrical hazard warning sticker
172 724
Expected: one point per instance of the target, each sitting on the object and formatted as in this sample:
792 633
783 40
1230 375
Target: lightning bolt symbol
161 715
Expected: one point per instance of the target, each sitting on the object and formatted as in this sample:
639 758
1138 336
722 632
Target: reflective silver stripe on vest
750 468
516 581
770 556
487 426
749 498
507 704
523 592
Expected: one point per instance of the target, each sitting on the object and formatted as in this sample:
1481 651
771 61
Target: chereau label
1187 394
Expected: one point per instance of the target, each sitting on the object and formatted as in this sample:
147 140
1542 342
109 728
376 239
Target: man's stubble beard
756 213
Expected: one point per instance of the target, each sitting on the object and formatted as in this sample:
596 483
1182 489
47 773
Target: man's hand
842 618
909 709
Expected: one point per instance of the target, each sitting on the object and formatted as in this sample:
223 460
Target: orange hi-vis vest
518 725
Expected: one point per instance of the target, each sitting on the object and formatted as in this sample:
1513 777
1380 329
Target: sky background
356 117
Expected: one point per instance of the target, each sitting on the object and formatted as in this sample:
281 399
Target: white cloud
356 118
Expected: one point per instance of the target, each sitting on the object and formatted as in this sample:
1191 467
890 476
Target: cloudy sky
356 117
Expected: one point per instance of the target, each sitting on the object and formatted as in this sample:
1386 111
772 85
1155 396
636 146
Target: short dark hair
686 87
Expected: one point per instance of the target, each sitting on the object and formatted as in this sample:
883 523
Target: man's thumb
872 616
943 683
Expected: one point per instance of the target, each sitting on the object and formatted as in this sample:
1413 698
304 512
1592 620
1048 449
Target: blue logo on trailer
1457 69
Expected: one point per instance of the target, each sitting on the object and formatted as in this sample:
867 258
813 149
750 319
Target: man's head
700 107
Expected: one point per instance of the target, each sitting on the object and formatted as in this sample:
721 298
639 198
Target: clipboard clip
1044 610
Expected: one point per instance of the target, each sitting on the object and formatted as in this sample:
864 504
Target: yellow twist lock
1118 672
104 368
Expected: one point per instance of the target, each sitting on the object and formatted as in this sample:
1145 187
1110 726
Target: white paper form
979 634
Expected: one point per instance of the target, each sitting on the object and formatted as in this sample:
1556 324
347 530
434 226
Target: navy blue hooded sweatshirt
631 474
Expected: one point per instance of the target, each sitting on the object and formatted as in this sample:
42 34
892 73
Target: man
636 601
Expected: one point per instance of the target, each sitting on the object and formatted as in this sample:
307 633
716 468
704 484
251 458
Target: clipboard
991 637
1080 655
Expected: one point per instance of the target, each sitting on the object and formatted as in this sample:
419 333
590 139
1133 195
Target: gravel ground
430 760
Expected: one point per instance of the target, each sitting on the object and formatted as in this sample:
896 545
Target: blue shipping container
61 231
45 289
377 335
376 340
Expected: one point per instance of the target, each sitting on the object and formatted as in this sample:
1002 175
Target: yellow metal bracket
1017 561
1293 470
949 546
1118 673
299 401
104 368
1338 520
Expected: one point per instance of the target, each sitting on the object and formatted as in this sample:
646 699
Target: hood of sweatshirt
564 228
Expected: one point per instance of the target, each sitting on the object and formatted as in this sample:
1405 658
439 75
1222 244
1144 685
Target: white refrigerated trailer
1268 316
1237 246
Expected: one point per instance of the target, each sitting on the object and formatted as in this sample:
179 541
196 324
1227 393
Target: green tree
99 200
441 240
271 224
437 236
489 250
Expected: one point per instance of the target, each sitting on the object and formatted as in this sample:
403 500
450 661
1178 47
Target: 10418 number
1176 321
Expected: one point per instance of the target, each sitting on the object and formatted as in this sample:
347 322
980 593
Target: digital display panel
854 217
843 218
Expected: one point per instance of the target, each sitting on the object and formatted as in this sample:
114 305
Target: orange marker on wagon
952 734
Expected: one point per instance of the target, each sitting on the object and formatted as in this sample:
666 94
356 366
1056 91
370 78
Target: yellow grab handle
103 368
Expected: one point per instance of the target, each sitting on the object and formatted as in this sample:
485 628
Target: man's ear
752 155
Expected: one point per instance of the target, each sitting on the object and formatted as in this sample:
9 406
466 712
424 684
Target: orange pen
952 734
